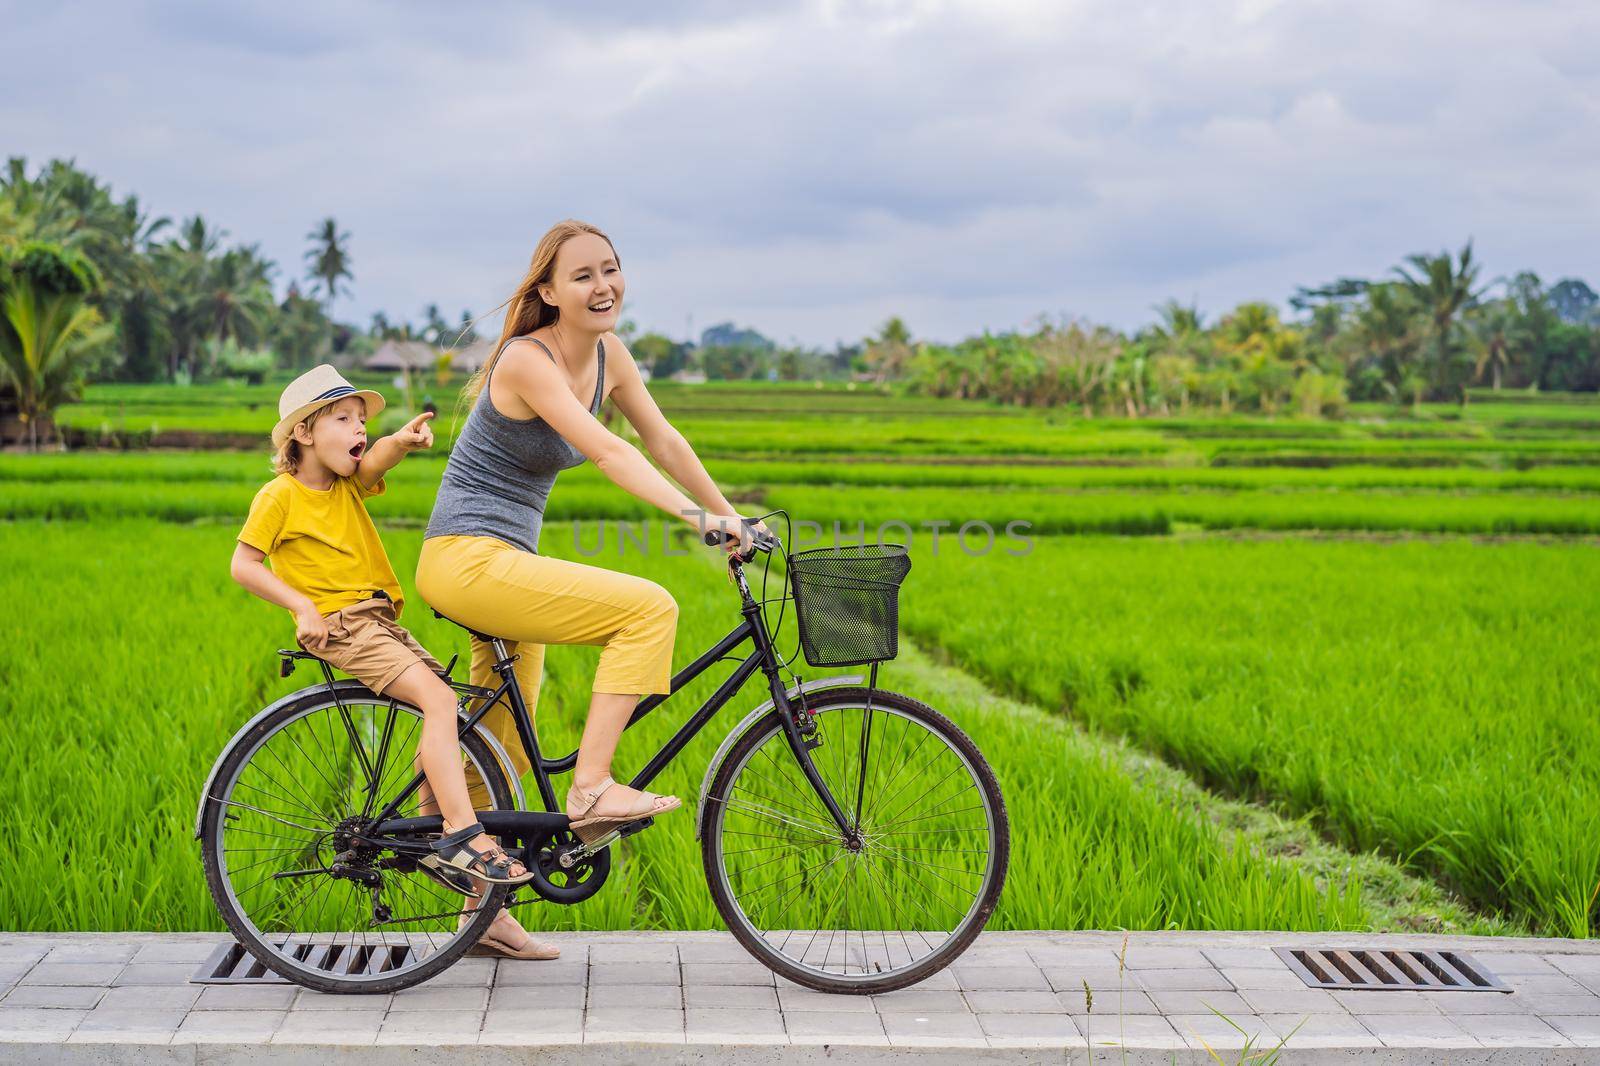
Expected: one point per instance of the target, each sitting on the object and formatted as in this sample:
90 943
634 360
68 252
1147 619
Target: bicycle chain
513 902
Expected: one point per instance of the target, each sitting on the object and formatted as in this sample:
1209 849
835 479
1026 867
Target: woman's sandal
590 829
489 944
455 850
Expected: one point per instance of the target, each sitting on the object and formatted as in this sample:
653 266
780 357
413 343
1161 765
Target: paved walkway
698 997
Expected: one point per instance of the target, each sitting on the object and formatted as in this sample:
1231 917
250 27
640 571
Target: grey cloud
812 168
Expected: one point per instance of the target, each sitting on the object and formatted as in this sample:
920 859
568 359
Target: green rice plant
992 512
128 668
254 467
1436 700
408 496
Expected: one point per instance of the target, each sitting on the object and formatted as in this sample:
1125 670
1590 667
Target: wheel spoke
771 815
305 782
847 911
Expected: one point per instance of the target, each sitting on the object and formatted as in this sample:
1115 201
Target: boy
330 571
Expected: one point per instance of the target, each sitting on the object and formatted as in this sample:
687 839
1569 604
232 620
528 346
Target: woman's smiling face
586 284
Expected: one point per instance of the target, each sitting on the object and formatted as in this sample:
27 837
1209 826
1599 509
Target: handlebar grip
760 541
714 537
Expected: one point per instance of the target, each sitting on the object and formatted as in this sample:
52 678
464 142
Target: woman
533 415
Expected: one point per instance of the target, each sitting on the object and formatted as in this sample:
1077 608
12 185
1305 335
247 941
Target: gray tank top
501 469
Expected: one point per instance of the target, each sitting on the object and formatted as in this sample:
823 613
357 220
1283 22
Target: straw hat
317 386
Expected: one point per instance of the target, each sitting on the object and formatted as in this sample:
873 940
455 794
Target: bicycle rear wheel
284 806
935 842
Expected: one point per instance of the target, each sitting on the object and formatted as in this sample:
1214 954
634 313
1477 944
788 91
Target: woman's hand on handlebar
737 538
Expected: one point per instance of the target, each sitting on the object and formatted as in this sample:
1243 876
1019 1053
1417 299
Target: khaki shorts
366 642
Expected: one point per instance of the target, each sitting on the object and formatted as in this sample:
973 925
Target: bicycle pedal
634 827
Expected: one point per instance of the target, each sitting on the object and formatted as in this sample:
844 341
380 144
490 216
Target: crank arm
601 843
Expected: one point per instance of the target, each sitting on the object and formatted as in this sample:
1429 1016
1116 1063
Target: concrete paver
739 997
934 1029
1321 1030
82 996
1202 978
555 1025
1234 1031
1418 1030
1494 1030
727 1025
988 1001
821 1027
128 1025
333 1027
1011 997
228 1027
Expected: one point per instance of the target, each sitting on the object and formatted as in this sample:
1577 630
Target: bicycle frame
752 627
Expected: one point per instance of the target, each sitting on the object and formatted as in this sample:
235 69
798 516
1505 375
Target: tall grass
132 658
1435 700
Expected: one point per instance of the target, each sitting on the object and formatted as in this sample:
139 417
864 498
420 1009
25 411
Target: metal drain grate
1389 970
231 964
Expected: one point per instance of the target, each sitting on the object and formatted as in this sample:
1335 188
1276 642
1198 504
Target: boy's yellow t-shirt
322 542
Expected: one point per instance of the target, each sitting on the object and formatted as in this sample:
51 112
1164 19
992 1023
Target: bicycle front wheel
902 903
280 842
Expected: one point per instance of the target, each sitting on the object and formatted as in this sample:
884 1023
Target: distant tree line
726 352
1429 331
93 287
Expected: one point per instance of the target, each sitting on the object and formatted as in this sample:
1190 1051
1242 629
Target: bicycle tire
244 931
733 916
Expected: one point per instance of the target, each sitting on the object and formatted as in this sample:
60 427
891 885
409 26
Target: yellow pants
531 600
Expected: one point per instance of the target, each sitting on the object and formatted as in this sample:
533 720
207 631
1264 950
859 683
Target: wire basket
847 602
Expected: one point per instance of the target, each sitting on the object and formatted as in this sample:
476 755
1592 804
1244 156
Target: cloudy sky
809 169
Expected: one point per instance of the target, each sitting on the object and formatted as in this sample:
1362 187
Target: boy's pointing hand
416 433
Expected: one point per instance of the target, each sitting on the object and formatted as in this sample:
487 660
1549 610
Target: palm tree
237 298
890 351
300 332
434 325
183 266
135 294
48 329
1178 340
329 257
1385 334
1443 288
1511 329
1493 342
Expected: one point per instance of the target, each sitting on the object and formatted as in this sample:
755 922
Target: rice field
730 420
1249 672
1434 700
181 657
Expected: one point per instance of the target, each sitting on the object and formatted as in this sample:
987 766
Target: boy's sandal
647 806
493 864
447 876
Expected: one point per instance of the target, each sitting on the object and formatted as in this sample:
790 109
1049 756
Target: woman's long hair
526 311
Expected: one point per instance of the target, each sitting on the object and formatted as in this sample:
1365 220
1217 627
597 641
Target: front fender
342 686
751 719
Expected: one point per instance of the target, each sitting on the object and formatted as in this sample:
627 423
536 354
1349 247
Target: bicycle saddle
481 636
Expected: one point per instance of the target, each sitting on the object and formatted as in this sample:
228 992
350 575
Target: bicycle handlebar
762 541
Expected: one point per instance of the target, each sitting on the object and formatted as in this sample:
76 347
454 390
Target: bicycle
310 835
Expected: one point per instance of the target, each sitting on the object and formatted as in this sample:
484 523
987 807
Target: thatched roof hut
402 355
